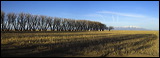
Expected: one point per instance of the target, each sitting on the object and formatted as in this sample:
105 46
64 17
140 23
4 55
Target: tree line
29 22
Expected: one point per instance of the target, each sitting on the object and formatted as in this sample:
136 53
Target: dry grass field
112 43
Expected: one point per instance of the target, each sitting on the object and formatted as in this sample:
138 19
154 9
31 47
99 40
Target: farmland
80 44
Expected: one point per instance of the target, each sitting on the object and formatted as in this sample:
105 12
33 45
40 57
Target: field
112 43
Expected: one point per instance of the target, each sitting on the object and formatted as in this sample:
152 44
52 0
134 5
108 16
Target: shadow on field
129 47
74 48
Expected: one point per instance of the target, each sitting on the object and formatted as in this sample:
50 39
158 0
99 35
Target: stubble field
80 44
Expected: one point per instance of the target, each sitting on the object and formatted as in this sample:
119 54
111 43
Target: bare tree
43 23
56 24
11 21
103 27
28 22
34 22
21 21
110 28
2 21
49 23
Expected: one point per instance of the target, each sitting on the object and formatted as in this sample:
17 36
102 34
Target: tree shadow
122 49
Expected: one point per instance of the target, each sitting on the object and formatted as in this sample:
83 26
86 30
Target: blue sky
143 14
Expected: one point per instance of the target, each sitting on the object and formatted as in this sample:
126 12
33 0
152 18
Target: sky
144 14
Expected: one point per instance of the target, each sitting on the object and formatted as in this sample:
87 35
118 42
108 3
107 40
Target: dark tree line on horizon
28 22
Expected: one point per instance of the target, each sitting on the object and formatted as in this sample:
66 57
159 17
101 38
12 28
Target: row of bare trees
28 22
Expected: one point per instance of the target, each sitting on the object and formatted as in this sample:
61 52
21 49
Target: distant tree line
28 22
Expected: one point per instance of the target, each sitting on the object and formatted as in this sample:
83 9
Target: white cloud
94 15
122 19
104 17
121 14
97 15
